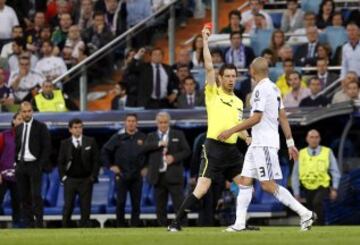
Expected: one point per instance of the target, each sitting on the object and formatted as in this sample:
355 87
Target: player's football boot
307 221
174 226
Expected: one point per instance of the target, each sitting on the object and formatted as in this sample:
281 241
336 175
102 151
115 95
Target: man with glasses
25 80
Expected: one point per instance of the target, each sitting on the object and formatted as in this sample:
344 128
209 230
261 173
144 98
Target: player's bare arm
246 124
284 123
209 67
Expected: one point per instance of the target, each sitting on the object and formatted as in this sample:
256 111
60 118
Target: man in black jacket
158 84
33 145
167 149
314 100
123 155
78 167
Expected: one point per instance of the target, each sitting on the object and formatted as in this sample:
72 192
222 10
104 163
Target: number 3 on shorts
262 171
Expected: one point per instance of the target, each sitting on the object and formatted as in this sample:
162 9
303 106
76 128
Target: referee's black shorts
220 158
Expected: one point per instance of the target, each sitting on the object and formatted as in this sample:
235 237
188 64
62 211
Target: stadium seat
335 36
260 41
276 18
53 188
310 5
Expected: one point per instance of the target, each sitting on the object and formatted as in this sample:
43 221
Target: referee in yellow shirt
224 110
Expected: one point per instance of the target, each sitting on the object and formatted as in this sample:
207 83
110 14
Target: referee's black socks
186 207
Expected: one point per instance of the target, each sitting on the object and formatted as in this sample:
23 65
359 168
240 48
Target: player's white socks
285 197
242 203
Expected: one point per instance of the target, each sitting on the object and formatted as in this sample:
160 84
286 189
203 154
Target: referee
224 110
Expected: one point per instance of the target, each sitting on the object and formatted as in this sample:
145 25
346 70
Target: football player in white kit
261 159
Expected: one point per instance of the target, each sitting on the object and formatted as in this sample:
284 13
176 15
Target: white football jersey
266 98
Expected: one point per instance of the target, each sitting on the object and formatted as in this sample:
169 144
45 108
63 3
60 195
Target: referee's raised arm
209 67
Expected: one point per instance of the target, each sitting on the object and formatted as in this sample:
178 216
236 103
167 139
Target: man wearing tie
306 54
33 145
79 164
190 98
167 149
326 78
158 84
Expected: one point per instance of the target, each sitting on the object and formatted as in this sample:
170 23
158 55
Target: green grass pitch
344 235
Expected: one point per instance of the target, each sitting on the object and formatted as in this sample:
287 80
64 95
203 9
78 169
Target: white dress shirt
8 20
28 157
350 59
77 142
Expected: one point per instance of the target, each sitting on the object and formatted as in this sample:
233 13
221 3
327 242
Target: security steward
123 155
52 100
312 174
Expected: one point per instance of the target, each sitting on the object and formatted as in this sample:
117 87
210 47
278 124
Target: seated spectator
139 10
33 34
50 66
66 55
256 6
122 100
217 58
98 35
6 95
341 95
85 20
183 58
323 51
337 20
45 35
75 42
60 34
238 54
352 90
8 21
285 53
326 78
314 99
19 49
283 82
25 80
292 18
234 23
190 98
159 84
182 72
276 43
52 100
260 24
115 16
354 17
197 56
326 12
300 33
351 51
297 93
306 54
7 49
268 54
317 172
61 7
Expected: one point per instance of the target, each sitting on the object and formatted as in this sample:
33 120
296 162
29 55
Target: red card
208 25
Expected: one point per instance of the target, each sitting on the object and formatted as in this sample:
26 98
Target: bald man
311 174
33 145
261 159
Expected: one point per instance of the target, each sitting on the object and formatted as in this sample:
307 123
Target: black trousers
133 186
12 187
28 179
72 188
315 202
162 191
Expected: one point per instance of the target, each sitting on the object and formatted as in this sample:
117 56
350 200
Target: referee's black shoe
174 226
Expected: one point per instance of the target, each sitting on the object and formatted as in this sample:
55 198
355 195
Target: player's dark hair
227 67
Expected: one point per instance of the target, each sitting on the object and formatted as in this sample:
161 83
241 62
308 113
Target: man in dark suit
167 149
326 78
33 145
313 100
190 98
158 84
78 167
238 54
306 54
122 100
123 154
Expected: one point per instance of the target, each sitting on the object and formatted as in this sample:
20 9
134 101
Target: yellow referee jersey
224 111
